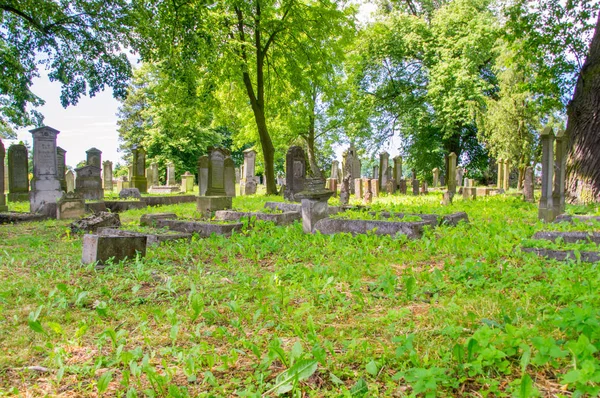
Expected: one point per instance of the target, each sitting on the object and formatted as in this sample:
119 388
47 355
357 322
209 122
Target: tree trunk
583 130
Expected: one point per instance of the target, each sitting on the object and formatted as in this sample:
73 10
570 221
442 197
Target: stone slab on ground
284 218
563 255
571 219
169 200
431 219
568 237
101 249
164 189
213 203
149 220
130 193
203 229
454 218
152 239
117 206
296 207
328 226
14 217
95 207
95 221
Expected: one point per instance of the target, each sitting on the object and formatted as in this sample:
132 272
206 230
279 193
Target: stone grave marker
70 179
249 181
500 178
70 205
187 182
229 176
61 164
216 197
351 165
107 175
358 188
546 208
202 175
528 184
560 170
384 163
138 179
3 206
397 174
18 175
295 172
436 177
154 169
171 181
45 185
375 187
88 180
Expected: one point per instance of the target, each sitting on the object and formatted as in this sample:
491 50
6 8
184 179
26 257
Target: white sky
93 121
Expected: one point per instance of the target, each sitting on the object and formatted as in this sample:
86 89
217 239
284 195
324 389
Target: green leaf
36 326
103 382
359 389
301 370
527 389
335 379
372 368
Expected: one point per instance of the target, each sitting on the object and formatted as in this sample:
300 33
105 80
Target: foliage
80 43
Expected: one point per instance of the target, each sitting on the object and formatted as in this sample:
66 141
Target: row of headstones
554 164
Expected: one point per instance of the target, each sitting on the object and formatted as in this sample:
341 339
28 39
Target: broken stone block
70 205
130 193
101 249
149 220
95 221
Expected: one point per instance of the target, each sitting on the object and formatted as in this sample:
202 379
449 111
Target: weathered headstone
358 188
94 157
70 179
415 187
345 190
368 194
45 185
187 182
217 198
335 166
528 184
546 208
506 174
61 164
88 180
384 163
107 175
171 181
452 173
238 175
390 186
101 249
202 175
149 175
560 166
375 187
436 177
229 177
459 176
402 187
314 203
295 172
397 174
138 180
331 184
375 173
351 165
249 180
18 176
500 179
127 193
70 205
154 169
3 206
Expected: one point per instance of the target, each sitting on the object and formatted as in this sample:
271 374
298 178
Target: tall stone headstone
45 185
384 163
367 192
3 206
154 169
351 165
331 184
375 173
202 175
295 172
500 179
88 182
220 167
94 157
171 181
415 187
358 188
187 182
546 208
138 179
560 166
107 175
70 179
528 184
397 174
436 177
452 173
460 172
61 164
506 174
249 180
375 187
335 167
229 177
18 174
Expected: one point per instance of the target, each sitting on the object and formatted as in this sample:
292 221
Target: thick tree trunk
583 130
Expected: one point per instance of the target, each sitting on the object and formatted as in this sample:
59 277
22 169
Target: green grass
460 312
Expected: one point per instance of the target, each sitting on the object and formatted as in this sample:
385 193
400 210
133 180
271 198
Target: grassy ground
460 312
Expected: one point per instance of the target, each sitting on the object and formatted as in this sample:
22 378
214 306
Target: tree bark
583 130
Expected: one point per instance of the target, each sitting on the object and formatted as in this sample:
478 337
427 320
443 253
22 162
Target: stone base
164 189
70 208
44 201
213 203
141 183
100 249
203 229
18 197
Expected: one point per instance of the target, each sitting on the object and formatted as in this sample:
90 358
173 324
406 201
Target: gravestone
3 206
18 175
506 174
202 175
127 193
220 167
129 172
107 175
351 165
70 205
560 166
335 166
88 180
138 170
375 187
101 249
171 181
345 191
70 179
331 184
528 184
452 174
390 186
314 203
368 194
295 172
546 208
459 176
187 182
415 187
249 180
229 177
402 187
61 164
154 169
45 185
397 174
436 177
500 178
149 175
375 175
358 188
238 175
384 163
